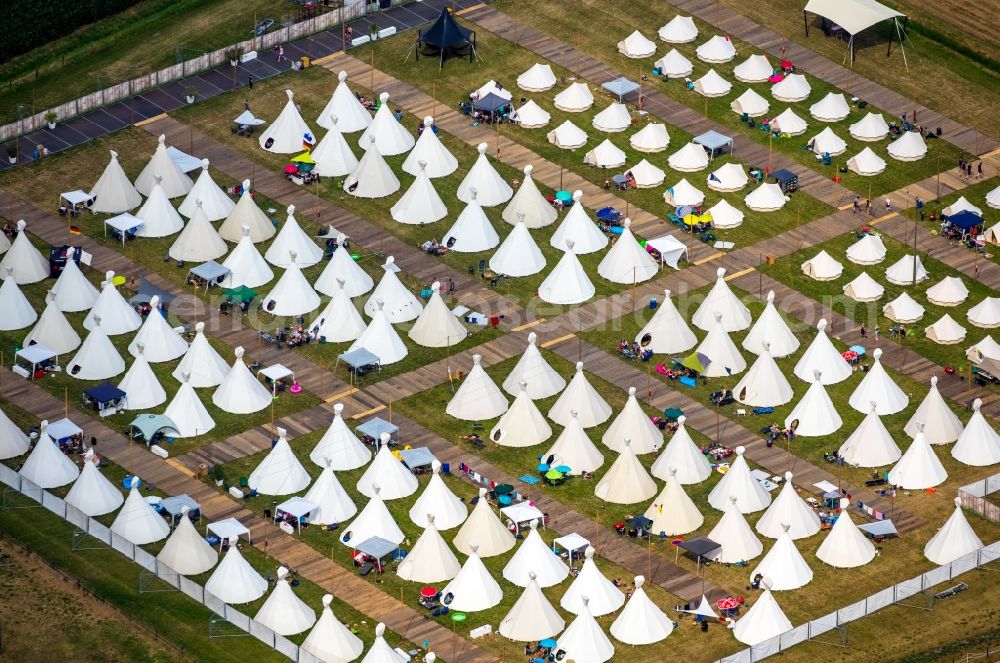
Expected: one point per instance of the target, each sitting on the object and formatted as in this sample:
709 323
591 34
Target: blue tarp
965 219
104 393
620 87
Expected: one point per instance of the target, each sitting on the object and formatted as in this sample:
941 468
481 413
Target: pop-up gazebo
854 16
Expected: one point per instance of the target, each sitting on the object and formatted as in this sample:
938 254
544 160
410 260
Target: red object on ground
850 355
949 370
290 169
727 603
429 592
787 64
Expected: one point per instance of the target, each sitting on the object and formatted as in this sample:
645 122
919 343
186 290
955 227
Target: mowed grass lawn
594 38
503 61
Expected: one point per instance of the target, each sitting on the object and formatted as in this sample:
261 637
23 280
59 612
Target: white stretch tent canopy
852 15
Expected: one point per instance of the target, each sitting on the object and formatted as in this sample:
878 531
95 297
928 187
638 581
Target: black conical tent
447 34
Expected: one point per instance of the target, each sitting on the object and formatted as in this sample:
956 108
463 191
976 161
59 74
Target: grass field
975 194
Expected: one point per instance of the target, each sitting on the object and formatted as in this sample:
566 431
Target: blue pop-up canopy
965 219
620 87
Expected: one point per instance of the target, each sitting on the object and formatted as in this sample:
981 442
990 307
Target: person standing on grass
250 82
979 169
864 331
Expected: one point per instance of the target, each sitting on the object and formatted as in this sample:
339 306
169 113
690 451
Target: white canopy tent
199 241
113 193
792 88
712 85
651 138
438 501
738 483
186 551
788 513
143 391
637 46
764 385
955 539
491 189
280 472
17 310
482 532
518 255
543 381
674 65
584 640
728 177
538 78
814 415
646 175
823 357
333 504
864 288
949 291
679 30
340 445
350 114
853 16
827 142
391 136
961 205
672 511
682 458
755 69
522 425
47 466
292 239
399 304
202 362
870 445
718 49
13 441
478 397
97 358
771 333
117 315
787 122
374 520
472 232
986 314
908 147
721 299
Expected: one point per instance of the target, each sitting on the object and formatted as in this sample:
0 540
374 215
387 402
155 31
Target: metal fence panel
769 647
192 589
795 636
964 563
742 656
98 531
262 633
908 588
144 559
286 646
54 504
213 603
990 553
237 618
936 576
122 545
31 490
822 624
9 477
881 599
76 517
851 612
306 657
168 575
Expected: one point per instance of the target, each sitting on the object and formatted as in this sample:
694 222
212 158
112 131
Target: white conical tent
949 291
534 560
651 138
47 466
381 339
342 267
491 188
767 197
340 321
138 522
482 532
543 381
340 446
344 105
574 99
204 365
188 413
961 205
879 387
641 622
431 560
214 202
387 476
864 288
717 49
291 238
538 78
791 88
591 584
632 424
160 340
72 290
668 330
870 445
374 520
763 621
288 133
142 390
574 449
581 396
529 203
567 283
678 30
771 329
330 640
234 581
750 104
291 296
437 500
725 358
690 158
27 262
17 310
522 425
815 413
993 198
728 177
372 178
831 108
755 69
737 542
682 458
764 385
821 356
531 116
532 617
92 493
827 142
919 468
955 539
279 472
283 612
636 46
626 481
430 150
979 444
721 299
869 250
870 128
391 137
472 231
117 315
97 358
946 331
478 397
240 392
613 119
788 513
605 155
199 241
158 216
683 193
333 156
246 213
186 551
822 267
53 330
845 546
986 348
580 229
382 652
246 265
584 640
712 85
787 122
672 511
567 136
474 588
627 261
646 175
740 484
940 424
906 271
420 204
13 441
783 567
866 163
398 303
113 193
908 147
333 504
162 169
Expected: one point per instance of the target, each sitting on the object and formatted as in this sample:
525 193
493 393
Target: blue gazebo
620 87
714 142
